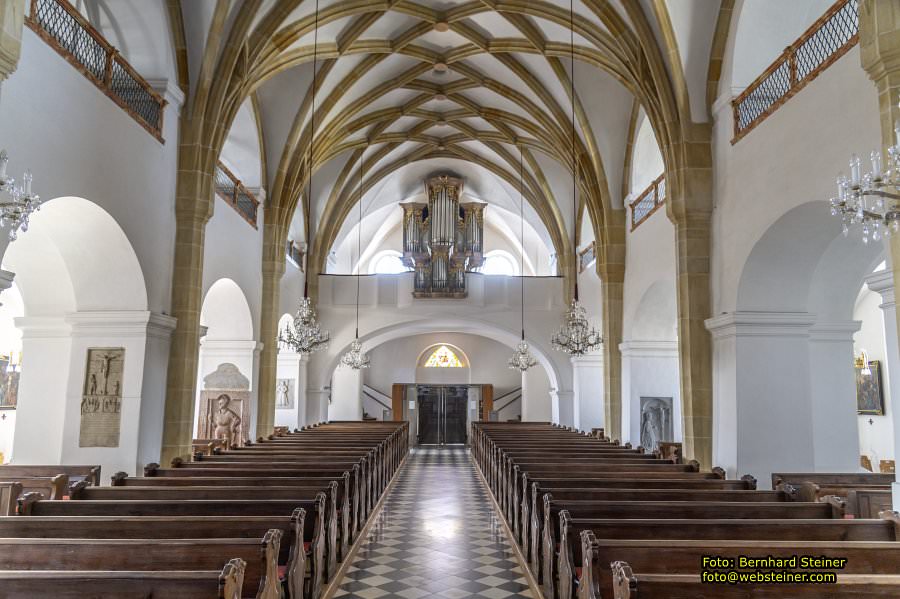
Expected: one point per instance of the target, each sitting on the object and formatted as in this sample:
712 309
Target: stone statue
225 422
283 399
656 421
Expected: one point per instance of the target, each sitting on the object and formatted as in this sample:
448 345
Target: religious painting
9 382
869 395
656 422
284 394
101 401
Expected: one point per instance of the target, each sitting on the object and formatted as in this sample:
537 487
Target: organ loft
442 238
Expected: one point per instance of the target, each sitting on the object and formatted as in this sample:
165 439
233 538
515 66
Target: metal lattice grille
648 201
230 189
823 43
123 84
66 30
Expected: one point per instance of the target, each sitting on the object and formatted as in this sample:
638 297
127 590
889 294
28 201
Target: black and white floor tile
437 537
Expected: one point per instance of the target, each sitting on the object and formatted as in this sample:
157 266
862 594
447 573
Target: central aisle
437 536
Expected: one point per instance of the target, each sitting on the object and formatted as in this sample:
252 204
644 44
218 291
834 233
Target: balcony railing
69 33
648 202
587 256
230 189
822 44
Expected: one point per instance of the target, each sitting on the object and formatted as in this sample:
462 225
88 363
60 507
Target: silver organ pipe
442 239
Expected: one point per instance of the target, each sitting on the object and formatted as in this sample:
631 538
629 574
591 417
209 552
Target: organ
443 239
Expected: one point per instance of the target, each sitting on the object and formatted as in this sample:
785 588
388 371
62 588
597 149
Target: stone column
689 209
536 395
272 271
882 283
879 45
12 17
193 209
611 270
562 411
346 394
589 405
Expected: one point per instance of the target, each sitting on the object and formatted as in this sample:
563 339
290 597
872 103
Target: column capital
760 324
12 17
587 361
882 283
649 349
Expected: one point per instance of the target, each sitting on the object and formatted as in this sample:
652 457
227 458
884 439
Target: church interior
436 299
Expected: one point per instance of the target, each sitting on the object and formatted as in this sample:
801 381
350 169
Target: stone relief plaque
225 406
656 421
284 394
101 402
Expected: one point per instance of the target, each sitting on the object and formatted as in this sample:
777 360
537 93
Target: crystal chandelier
356 358
305 337
576 336
15 212
522 360
871 200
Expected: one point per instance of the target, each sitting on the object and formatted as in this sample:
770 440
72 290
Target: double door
442 414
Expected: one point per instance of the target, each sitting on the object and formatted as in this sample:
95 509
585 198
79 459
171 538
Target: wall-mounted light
862 362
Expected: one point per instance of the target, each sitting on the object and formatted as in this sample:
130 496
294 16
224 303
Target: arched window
499 262
388 262
443 357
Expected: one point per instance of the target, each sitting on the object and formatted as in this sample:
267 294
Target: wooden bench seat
260 556
322 550
74 584
681 556
628 585
75 473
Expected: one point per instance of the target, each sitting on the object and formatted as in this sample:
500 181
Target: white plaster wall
79 143
7 429
877 439
649 369
536 404
346 394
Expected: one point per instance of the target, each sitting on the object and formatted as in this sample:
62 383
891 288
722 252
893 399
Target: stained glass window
443 357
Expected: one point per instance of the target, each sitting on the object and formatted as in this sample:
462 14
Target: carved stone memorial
101 402
284 394
225 406
656 421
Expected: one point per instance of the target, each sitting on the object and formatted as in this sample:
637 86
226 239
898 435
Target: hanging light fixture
306 336
872 199
576 336
521 359
356 358
15 212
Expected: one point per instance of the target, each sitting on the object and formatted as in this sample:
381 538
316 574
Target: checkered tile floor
436 537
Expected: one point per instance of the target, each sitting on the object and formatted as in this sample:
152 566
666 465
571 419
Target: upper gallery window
387 262
498 262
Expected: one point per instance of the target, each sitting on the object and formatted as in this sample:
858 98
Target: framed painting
869 396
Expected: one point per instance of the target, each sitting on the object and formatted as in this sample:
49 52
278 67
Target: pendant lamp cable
359 238
522 232
309 155
574 159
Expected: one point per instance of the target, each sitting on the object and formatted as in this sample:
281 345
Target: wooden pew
337 516
681 556
9 493
845 479
260 555
628 585
546 531
185 584
75 473
322 552
293 552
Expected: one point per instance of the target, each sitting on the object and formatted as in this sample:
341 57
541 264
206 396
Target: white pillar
536 402
317 405
882 283
562 411
292 368
588 404
649 369
832 383
346 394
243 353
762 422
